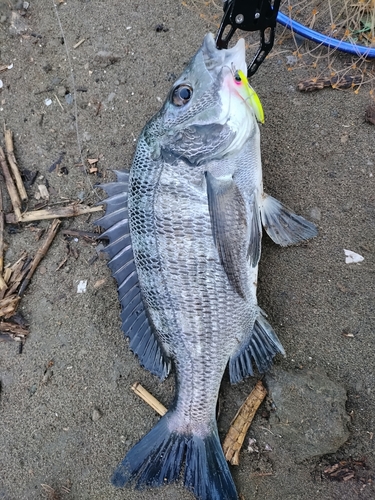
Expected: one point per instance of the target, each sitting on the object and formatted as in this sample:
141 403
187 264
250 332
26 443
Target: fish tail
158 458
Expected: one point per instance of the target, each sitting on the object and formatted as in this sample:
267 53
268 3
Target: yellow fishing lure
250 95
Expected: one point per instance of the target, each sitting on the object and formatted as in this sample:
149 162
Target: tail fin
158 458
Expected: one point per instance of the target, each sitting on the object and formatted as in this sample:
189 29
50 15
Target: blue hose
300 29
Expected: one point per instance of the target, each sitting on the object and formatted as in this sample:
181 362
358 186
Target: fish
184 229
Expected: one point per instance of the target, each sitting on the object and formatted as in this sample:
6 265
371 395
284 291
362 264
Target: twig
87 235
14 197
13 276
58 101
78 44
19 271
41 252
69 211
2 282
234 439
8 136
149 398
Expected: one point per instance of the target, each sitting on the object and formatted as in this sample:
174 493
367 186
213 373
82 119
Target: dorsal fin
136 323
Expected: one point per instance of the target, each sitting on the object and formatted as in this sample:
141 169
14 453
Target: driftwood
336 82
18 332
13 164
235 437
8 306
18 276
15 279
16 273
49 213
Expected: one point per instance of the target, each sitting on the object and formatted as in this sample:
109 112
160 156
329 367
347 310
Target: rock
17 24
111 96
104 58
310 417
95 415
61 91
315 213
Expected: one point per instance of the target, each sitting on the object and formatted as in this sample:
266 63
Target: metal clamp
250 15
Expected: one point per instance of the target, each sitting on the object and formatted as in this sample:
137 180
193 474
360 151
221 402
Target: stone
95 415
310 418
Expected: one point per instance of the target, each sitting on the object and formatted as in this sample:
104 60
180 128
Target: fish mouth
216 59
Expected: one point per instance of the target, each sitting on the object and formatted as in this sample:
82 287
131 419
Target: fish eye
237 77
182 94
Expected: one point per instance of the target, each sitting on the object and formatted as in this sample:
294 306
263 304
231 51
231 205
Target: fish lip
232 57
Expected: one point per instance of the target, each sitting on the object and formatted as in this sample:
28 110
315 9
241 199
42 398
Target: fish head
210 111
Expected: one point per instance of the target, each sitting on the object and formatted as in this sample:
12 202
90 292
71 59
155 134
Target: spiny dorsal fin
136 323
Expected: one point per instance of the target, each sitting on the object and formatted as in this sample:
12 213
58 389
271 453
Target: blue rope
300 29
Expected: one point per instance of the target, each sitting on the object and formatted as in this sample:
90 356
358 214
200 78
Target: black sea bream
184 229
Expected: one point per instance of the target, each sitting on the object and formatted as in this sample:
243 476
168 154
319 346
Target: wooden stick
69 211
149 398
13 193
2 282
87 235
234 439
8 136
41 252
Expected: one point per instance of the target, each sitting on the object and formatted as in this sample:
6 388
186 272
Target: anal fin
282 225
261 346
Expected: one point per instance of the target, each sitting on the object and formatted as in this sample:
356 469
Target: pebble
17 24
86 136
291 60
95 415
61 91
111 96
315 213
47 67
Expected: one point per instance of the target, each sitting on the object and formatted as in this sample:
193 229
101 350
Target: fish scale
184 236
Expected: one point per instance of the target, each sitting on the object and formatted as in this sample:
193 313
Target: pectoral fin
255 237
282 225
228 220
